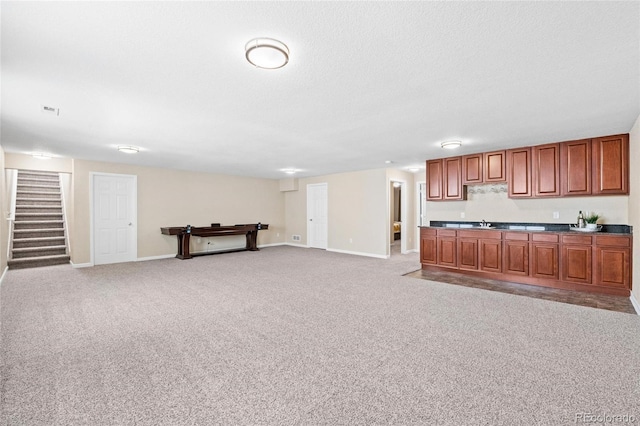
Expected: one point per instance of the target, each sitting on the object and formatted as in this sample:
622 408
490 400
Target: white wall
634 204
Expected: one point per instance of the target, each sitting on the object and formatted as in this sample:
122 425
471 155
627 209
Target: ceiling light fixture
289 171
128 149
41 156
450 144
413 169
267 53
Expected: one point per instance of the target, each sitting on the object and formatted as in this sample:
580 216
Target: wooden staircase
38 237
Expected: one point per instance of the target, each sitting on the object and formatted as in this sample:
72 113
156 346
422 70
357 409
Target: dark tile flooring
594 300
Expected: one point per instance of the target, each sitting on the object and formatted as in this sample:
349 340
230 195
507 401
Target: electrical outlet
461 215
556 215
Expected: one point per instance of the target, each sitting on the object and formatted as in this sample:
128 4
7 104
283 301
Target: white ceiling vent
49 110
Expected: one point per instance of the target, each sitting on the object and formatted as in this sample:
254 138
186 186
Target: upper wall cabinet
519 172
472 169
434 180
495 169
610 165
575 167
452 179
546 170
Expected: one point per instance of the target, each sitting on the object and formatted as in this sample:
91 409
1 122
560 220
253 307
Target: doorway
397 217
114 217
317 224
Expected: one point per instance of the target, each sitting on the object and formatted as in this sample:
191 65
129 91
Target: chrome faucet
483 223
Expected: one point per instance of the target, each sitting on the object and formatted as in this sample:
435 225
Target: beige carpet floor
293 336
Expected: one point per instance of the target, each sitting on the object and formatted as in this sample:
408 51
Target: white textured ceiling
366 82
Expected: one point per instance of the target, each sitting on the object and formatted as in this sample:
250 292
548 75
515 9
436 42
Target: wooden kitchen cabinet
610 165
495 168
575 167
519 172
446 248
612 261
577 258
434 180
544 256
546 170
490 255
472 169
467 253
516 253
428 246
452 179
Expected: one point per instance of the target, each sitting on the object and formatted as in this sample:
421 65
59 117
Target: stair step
31 201
38 233
37 242
33 262
37 181
37 173
21 253
29 217
38 194
38 224
38 188
39 209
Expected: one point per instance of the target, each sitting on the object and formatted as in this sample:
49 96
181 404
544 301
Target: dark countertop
548 227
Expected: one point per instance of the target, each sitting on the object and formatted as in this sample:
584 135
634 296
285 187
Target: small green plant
592 218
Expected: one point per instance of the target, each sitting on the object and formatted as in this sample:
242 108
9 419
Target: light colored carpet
289 336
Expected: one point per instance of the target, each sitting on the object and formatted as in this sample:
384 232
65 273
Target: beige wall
27 162
634 204
4 223
176 198
357 211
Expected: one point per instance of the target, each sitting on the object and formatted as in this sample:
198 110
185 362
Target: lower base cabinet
490 255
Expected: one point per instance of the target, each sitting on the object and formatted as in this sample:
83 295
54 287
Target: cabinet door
434 180
610 165
495 169
468 253
544 260
472 169
575 167
490 255
516 257
612 267
519 170
447 251
576 263
452 173
428 249
546 170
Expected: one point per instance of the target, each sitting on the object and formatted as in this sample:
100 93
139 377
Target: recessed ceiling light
413 169
128 149
388 162
450 144
41 156
290 171
267 53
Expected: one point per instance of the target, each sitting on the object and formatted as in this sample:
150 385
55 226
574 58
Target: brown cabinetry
544 256
576 258
575 167
428 246
472 169
519 172
610 165
434 180
495 169
516 253
546 170
468 253
612 261
452 182
490 252
446 248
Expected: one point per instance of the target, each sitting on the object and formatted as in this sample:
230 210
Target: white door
317 215
114 218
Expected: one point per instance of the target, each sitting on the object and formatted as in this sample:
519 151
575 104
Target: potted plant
592 220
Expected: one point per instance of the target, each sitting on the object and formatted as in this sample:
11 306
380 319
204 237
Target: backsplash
490 202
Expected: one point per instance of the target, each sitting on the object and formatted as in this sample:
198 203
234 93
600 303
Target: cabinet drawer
517 236
576 239
493 235
446 233
547 238
613 241
427 231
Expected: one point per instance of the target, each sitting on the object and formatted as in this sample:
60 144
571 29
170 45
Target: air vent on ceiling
49 110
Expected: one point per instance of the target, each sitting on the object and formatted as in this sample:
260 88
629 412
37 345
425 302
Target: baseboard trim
296 245
6 268
271 245
635 303
159 257
81 265
359 253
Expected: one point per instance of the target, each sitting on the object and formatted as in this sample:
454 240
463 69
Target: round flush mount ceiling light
450 144
128 149
267 53
41 155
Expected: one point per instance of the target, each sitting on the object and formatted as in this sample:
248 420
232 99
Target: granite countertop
530 227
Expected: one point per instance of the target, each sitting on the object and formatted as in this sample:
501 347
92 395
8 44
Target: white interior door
317 215
114 218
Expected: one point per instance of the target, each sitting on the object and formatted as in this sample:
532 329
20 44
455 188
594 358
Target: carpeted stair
38 228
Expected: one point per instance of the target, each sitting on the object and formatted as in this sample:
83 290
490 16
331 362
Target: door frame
418 210
92 176
326 238
403 215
